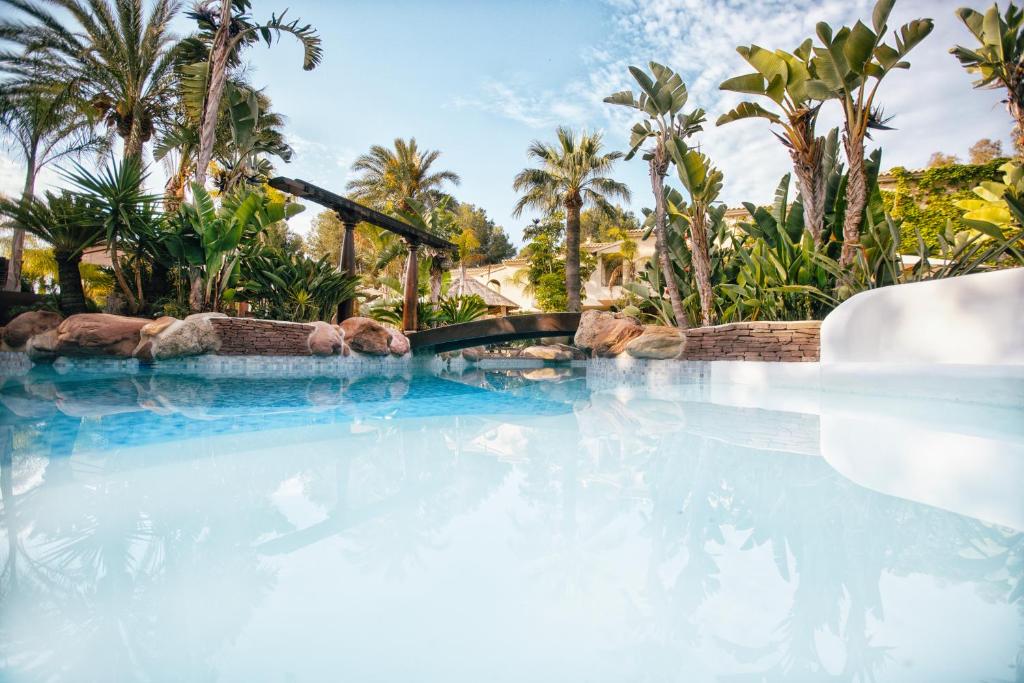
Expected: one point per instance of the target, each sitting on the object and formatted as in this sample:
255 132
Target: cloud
543 110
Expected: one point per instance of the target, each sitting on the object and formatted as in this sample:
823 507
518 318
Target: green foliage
290 286
460 309
549 292
925 202
449 310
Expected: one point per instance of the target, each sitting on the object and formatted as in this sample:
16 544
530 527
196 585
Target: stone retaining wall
251 337
770 341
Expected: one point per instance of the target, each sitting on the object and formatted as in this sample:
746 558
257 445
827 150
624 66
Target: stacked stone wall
251 337
797 341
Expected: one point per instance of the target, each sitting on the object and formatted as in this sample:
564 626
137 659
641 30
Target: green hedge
927 201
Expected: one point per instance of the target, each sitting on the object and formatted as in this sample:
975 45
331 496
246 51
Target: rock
657 341
473 354
606 334
325 339
169 337
366 336
42 347
99 334
399 343
553 352
27 325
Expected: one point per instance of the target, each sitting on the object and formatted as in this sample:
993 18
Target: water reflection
162 527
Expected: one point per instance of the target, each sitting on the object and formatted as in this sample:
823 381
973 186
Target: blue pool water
513 525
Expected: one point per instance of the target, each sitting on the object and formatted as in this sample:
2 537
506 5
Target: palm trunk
811 183
115 263
702 267
217 79
72 296
856 197
661 246
436 273
133 143
1017 113
196 299
572 256
13 283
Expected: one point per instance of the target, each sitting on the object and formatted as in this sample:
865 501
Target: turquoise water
516 525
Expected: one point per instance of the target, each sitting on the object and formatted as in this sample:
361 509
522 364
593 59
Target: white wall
969 320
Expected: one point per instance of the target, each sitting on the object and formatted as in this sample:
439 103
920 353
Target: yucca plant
461 309
390 313
292 286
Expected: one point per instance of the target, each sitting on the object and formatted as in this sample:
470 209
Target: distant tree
985 150
939 159
388 178
468 245
600 225
552 226
495 245
325 234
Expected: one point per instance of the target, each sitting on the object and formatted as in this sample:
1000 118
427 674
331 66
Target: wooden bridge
495 330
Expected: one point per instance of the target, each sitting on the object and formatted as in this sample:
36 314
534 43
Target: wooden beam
350 210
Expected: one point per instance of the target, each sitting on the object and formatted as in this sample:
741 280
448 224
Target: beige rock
606 334
27 325
99 334
553 353
399 343
473 354
42 347
366 336
657 341
326 339
169 337
614 335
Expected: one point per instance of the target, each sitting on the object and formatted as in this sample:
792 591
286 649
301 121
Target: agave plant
461 309
849 66
390 313
292 286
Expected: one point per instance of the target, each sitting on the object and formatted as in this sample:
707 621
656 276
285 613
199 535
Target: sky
480 79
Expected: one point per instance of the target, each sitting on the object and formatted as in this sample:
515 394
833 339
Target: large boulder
606 334
399 343
473 354
169 337
42 347
326 339
27 325
367 336
99 334
658 342
553 352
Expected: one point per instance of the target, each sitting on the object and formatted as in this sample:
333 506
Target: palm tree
782 77
571 176
849 66
228 28
46 125
68 222
120 60
998 60
702 182
627 251
389 178
661 100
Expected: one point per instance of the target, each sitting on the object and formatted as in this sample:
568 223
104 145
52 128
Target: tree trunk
196 300
702 267
436 273
856 197
72 296
1017 113
13 283
216 80
572 255
661 246
811 183
115 263
133 143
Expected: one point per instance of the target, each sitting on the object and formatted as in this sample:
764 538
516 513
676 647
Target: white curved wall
970 320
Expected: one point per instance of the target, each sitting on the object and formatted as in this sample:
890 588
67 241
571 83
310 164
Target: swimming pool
503 525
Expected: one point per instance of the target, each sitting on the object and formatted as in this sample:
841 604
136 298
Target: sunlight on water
502 526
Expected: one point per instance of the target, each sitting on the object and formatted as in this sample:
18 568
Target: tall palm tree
389 178
46 125
661 100
572 175
228 28
69 224
120 59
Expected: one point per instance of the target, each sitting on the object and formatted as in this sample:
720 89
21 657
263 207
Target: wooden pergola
351 214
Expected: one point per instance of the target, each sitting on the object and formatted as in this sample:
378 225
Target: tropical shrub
292 286
453 310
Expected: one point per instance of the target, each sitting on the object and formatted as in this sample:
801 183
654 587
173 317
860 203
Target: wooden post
347 265
409 321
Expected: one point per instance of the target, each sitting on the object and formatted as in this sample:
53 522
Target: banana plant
849 66
703 183
662 97
998 58
781 77
206 241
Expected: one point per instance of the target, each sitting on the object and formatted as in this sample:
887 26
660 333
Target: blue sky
479 80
